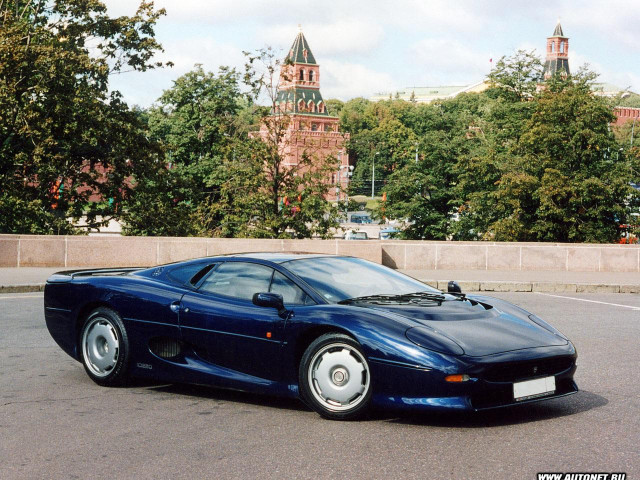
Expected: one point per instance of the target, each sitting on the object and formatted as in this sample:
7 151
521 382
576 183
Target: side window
291 293
238 280
185 274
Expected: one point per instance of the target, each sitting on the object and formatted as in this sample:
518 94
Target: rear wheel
105 347
334 377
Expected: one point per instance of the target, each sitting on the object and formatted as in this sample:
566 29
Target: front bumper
490 386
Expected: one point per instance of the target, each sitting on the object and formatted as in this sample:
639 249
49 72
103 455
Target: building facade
626 114
309 129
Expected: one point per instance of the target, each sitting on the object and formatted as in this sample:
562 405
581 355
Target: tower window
562 47
320 107
301 74
314 127
311 75
553 45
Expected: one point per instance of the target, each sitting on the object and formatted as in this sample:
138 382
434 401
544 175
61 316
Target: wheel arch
309 335
84 312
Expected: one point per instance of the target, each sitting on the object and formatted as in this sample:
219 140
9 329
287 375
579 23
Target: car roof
278 257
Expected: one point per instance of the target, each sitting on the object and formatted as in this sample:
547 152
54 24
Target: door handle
175 307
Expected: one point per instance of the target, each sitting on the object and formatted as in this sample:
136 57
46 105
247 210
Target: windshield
340 278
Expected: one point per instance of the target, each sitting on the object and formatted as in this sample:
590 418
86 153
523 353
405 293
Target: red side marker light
268 334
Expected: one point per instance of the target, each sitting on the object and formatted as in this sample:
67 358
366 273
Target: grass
370 203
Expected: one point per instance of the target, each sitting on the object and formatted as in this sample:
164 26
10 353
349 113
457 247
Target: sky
369 46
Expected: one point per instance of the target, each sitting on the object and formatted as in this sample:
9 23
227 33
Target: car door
225 328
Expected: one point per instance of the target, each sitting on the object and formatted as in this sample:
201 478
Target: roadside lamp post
633 127
348 173
339 179
373 175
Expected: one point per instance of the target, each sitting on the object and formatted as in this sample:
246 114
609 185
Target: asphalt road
56 423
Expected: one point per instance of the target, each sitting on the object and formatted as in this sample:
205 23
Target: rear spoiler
68 275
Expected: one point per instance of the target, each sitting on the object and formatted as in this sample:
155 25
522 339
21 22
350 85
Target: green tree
569 148
63 136
518 75
422 190
334 106
628 99
195 122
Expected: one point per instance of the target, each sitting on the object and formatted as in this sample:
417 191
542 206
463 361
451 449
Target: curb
28 288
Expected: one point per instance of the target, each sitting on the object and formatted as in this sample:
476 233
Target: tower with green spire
299 86
557 60
310 129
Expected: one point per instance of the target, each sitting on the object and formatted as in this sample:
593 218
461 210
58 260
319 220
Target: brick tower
557 54
310 128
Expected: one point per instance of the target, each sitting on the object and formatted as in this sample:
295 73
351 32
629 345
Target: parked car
351 235
360 218
387 233
341 333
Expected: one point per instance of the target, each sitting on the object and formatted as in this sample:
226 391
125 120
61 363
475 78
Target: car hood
478 328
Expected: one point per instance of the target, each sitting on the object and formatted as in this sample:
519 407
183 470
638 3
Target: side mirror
268 299
453 287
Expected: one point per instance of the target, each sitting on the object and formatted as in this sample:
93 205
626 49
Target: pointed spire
558 30
300 51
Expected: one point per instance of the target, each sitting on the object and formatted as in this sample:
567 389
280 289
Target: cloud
187 52
450 61
222 11
622 80
345 80
365 46
617 20
336 38
144 88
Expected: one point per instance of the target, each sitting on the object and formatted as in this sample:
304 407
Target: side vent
166 348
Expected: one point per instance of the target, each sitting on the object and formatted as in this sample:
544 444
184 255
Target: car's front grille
514 371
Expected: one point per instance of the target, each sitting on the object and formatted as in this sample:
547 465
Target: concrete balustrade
81 251
411 255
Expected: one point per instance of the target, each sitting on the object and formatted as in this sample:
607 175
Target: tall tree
568 148
195 122
518 75
63 135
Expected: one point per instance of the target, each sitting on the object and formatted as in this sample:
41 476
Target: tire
334 377
104 348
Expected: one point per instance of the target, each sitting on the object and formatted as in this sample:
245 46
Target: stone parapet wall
571 257
108 251
81 251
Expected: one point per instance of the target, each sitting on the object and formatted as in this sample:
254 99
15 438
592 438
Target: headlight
546 326
432 340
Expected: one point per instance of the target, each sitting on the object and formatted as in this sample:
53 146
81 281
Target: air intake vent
165 347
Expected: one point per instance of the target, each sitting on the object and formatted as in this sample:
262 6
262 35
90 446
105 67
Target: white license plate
534 388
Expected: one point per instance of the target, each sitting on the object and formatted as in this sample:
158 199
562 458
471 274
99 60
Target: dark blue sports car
341 333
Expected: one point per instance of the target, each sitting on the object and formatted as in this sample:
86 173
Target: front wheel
334 377
105 347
